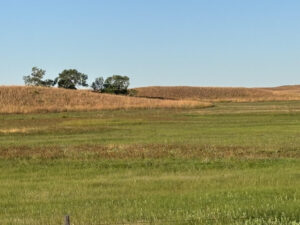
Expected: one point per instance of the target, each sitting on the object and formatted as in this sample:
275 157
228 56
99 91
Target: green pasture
234 163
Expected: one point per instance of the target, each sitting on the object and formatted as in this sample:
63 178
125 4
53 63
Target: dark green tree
71 79
98 84
36 78
116 84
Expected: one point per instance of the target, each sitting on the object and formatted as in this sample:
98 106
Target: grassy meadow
234 163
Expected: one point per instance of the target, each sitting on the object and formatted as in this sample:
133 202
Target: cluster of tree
72 79
115 84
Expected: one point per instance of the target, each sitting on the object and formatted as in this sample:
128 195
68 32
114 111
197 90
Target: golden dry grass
20 99
221 93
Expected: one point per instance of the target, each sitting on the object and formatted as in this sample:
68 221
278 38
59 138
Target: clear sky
154 42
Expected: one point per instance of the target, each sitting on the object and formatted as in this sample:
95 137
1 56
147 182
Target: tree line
72 79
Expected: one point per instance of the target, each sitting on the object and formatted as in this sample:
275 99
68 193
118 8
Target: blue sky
154 42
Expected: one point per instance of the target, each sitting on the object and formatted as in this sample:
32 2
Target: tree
35 78
98 84
116 84
71 79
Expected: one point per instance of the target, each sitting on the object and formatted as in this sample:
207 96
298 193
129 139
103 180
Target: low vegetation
235 163
160 161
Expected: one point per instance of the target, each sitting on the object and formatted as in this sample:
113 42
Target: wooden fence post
67 220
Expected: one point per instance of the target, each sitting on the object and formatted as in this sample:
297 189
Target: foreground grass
236 163
101 191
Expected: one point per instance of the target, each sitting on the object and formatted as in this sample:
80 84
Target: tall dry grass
221 93
20 99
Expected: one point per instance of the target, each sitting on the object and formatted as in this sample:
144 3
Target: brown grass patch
218 94
20 99
16 130
145 151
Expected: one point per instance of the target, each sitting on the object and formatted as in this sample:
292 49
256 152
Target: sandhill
221 93
20 99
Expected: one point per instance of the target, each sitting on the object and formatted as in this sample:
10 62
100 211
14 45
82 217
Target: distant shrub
132 92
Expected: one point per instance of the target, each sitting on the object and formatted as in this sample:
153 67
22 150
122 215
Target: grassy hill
221 93
20 99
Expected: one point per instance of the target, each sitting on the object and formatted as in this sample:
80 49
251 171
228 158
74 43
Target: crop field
233 163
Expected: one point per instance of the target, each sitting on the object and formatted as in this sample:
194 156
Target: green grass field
234 163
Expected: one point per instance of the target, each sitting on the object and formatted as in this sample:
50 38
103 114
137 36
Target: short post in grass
67 220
